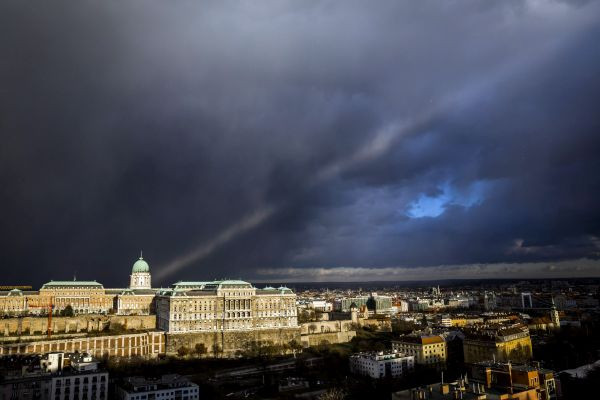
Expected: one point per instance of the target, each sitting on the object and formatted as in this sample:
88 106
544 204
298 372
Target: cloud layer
582 268
165 126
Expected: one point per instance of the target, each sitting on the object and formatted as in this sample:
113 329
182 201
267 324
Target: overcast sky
299 140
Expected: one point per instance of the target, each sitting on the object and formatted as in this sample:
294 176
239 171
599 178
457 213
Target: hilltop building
139 298
140 275
85 297
227 305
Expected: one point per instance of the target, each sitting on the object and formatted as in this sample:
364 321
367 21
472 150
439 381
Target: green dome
140 266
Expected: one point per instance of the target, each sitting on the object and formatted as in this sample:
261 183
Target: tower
354 313
554 315
140 275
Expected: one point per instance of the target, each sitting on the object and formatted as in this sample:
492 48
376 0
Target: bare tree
333 394
200 349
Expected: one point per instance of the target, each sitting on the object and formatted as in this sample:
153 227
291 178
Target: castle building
138 299
13 302
85 297
140 275
216 306
228 305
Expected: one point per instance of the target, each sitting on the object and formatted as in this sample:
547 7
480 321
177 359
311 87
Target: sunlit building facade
427 350
228 305
84 297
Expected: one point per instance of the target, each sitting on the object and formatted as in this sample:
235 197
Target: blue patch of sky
434 206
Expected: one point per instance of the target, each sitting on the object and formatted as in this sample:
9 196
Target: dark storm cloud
158 126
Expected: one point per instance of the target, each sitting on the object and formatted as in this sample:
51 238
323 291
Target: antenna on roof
74 276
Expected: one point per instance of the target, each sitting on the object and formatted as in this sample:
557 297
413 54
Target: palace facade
84 297
186 307
228 305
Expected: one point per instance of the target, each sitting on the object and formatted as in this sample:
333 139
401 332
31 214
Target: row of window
76 381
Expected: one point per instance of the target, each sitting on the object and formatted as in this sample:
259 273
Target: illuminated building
511 343
381 364
426 349
227 305
85 297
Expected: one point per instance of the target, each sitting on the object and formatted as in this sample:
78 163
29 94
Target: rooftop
435 392
140 266
422 339
72 283
139 384
379 355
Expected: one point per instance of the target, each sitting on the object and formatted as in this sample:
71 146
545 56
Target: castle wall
227 343
147 344
326 338
326 326
32 326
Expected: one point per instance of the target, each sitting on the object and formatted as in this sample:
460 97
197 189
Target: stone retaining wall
80 323
327 338
230 342
147 344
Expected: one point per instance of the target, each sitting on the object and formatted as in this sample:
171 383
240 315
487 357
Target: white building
381 364
446 321
91 384
459 302
320 305
167 387
59 376
402 306
227 305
